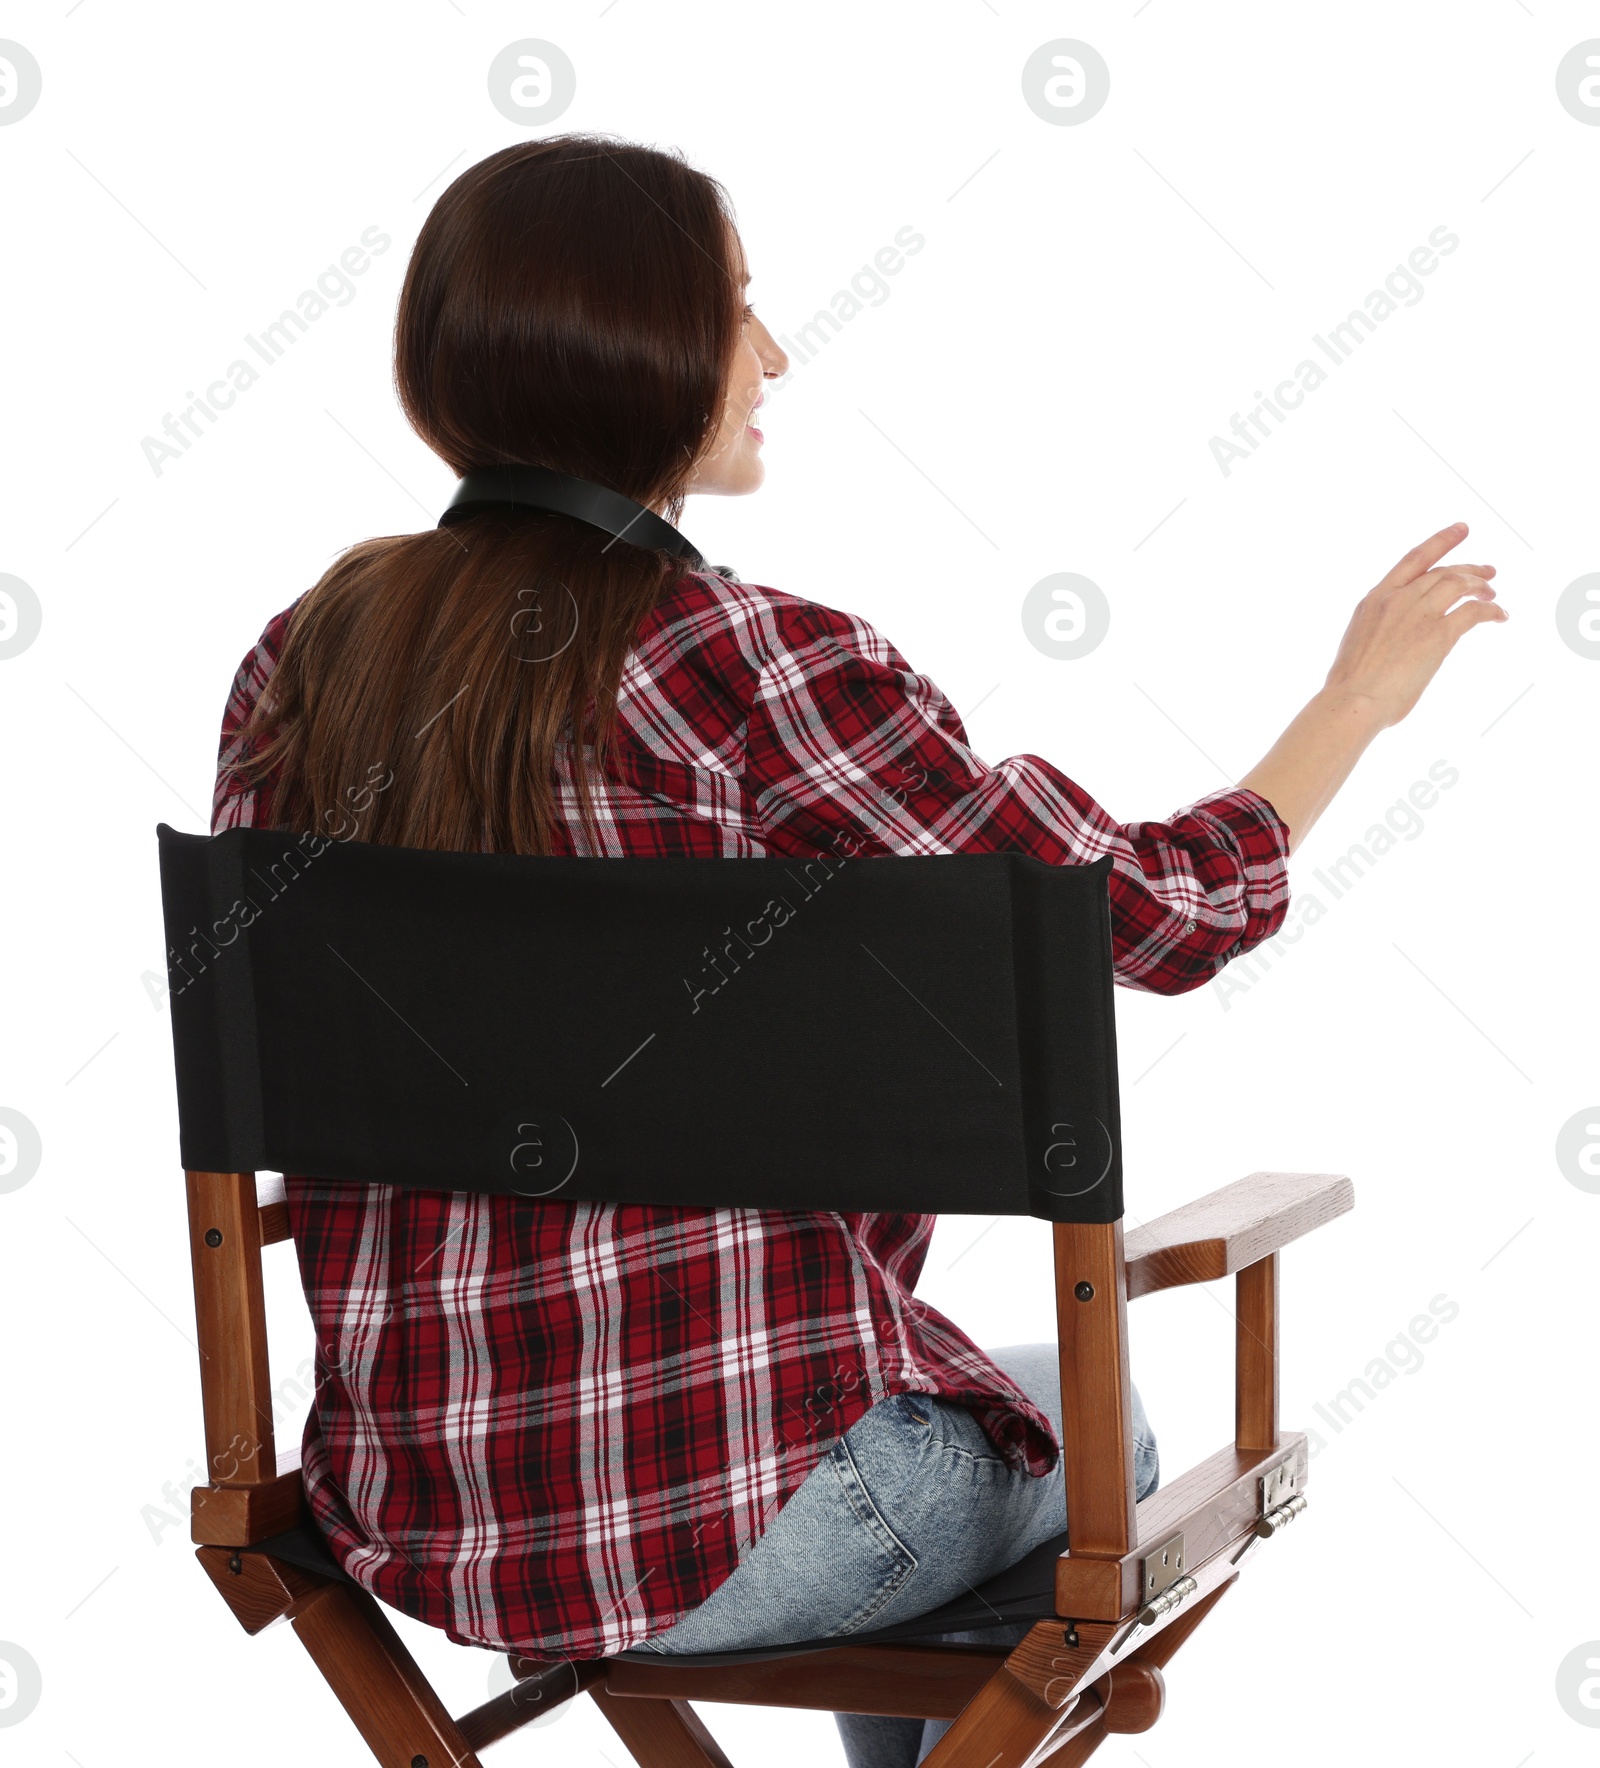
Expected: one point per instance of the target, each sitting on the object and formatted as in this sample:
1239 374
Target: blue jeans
911 1507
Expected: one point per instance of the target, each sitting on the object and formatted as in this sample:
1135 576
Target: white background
1037 393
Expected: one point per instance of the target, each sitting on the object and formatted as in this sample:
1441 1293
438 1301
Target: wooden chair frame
1137 1581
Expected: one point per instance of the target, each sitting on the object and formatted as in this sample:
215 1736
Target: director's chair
909 1035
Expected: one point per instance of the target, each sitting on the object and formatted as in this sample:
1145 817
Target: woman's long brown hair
570 303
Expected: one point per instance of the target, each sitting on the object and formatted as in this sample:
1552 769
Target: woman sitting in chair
571 1428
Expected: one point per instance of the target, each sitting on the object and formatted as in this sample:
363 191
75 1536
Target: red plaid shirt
556 1427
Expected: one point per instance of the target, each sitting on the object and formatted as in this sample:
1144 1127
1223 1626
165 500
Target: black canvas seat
1024 1592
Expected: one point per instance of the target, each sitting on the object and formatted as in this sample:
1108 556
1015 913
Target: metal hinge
1161 1568
1280 1502
1276 1485
1164 1582
1168 1600
1280 1518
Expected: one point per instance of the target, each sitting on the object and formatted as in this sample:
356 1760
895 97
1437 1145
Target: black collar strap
541 488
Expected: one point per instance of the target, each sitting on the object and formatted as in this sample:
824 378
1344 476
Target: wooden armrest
1232 1228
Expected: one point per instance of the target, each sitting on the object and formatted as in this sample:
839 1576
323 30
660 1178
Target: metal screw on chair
1084 1292
1071 1636
419 1762
213 1236
236 1565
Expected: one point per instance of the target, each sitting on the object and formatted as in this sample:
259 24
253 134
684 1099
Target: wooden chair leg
660 1733
378 1683
1077 1750
1147 1695
1006 1723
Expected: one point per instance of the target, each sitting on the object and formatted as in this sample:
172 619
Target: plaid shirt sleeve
850 749
236 804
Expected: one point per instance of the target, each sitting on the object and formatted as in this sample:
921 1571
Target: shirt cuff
1263 835
1259 838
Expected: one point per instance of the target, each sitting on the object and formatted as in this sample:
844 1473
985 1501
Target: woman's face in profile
731 465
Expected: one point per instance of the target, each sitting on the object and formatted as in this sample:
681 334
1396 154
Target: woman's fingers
1472 613
1440 589
1423 557
1403 629
1451 570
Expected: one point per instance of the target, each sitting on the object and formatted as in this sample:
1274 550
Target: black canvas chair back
867 1034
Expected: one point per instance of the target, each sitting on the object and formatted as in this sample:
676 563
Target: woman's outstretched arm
848 751
1398 636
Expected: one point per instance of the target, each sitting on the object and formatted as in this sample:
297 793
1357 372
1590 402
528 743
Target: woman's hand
1398 636
1400 632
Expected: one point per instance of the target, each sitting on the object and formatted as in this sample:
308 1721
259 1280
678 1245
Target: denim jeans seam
908 1399
948 1446
868 1514
975 1461
885 1596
